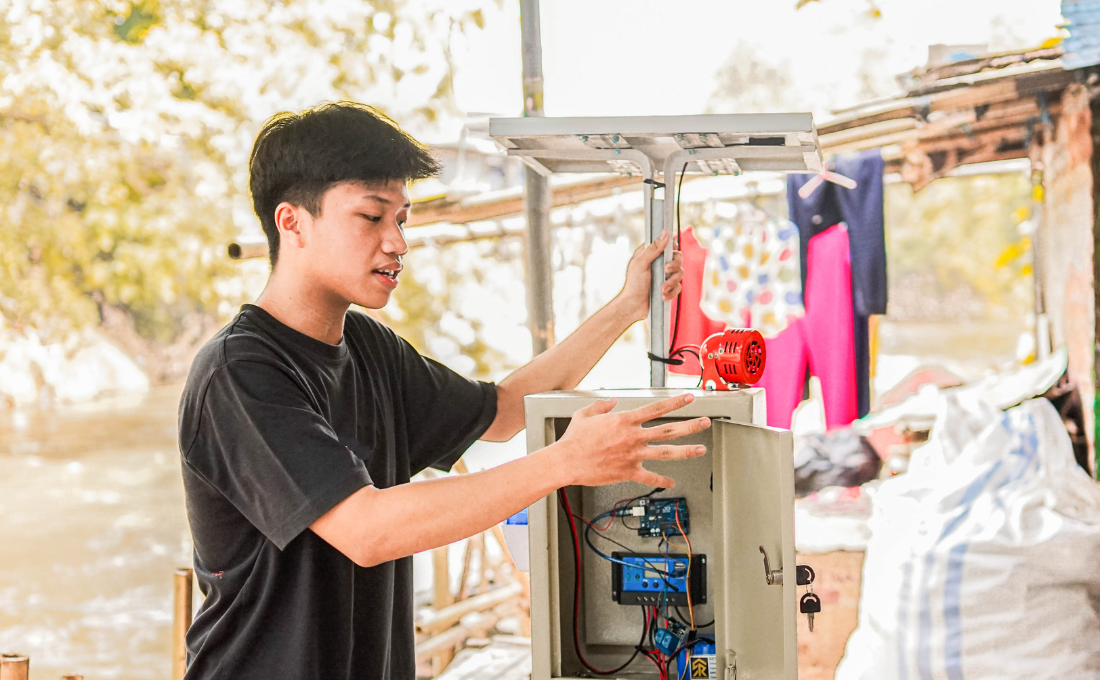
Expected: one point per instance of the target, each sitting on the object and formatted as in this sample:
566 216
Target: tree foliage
125 128
960 249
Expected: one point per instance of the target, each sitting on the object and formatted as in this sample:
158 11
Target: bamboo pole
181 620
463 579
441 579
442 619
72 677
443 658
474 624
14 667
440 645
522 577
441 599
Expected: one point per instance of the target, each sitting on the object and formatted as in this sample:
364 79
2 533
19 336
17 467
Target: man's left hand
635 293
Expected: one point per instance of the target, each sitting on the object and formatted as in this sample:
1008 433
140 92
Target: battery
699 661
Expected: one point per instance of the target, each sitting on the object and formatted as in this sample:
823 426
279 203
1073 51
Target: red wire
655 662
650 654
577 592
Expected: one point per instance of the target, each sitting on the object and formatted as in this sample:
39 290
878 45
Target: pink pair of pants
822 341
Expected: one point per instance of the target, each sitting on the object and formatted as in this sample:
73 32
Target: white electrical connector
637 511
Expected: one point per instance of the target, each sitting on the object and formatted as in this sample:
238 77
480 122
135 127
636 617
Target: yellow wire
691 610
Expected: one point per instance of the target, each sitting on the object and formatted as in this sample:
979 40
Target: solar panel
643 145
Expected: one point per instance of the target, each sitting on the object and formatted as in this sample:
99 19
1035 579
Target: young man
302 422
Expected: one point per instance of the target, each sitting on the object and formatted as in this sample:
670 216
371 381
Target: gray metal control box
741 499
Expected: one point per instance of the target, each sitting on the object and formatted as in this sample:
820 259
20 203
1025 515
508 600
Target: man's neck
312 312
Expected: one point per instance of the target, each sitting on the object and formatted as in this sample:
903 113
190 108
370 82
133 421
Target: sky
653 57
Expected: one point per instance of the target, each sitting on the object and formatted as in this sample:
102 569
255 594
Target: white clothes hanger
820 178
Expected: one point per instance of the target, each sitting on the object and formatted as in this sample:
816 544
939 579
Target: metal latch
775 578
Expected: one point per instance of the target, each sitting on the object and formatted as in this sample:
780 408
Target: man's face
355 245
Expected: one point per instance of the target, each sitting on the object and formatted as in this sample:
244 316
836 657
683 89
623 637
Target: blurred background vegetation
125 129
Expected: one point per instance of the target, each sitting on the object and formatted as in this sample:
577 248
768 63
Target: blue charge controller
654 579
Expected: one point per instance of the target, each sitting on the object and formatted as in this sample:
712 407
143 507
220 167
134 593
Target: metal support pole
536 195
658 310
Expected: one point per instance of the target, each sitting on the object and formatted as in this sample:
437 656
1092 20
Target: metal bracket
775 578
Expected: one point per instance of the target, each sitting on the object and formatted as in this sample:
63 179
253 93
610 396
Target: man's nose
395 242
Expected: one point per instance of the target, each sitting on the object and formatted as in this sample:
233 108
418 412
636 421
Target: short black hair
297 157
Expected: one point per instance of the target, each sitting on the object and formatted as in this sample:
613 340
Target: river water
93 526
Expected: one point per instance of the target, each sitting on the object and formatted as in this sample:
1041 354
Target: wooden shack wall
1066 242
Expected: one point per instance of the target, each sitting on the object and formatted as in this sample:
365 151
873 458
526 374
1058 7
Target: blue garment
862 210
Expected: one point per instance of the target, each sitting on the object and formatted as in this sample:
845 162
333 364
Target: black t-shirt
275 429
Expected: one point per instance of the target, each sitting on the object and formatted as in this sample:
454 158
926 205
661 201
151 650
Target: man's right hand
600 447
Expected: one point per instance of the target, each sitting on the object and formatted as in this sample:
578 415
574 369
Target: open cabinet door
754 497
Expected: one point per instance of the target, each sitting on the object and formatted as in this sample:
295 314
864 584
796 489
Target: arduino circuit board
658 517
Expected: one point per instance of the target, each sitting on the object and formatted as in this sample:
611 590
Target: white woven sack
984 559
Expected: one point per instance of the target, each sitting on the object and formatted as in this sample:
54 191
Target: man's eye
372 218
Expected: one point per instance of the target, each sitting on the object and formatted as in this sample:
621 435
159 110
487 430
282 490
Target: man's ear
287 222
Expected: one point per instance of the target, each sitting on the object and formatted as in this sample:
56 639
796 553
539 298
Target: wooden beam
906 108
864 132
182 586
480 208
957 96
1094 166
441 619
989 62
14 667
475 624
897 138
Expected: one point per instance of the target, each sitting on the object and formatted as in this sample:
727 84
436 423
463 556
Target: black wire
680 351
653 628
663 360
660 572
684 621
607 538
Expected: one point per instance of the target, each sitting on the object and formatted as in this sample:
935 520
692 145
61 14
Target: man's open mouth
390 274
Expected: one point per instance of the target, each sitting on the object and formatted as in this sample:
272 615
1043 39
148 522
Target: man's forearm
559 368
410 518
